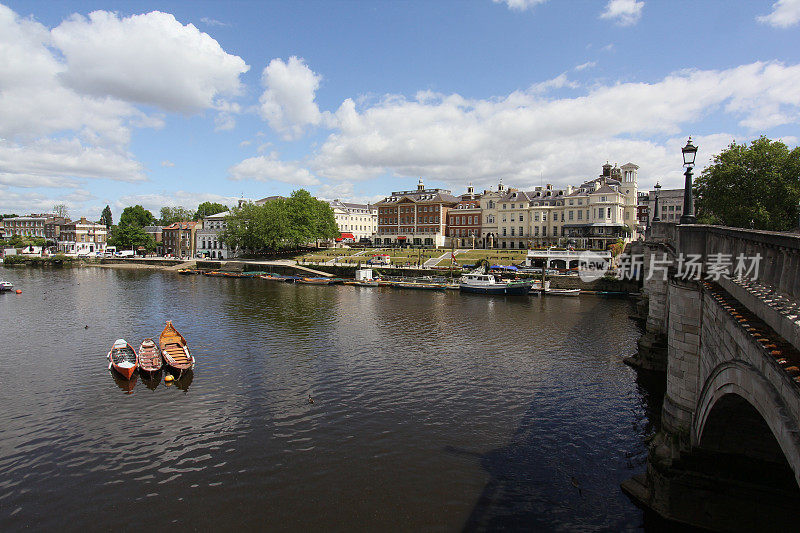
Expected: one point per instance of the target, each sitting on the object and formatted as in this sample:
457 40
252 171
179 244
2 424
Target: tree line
278 224
129 232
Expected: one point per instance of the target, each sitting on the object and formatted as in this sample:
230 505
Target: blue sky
174 103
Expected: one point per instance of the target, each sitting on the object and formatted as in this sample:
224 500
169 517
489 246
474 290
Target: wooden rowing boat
122 358
150 360
174 350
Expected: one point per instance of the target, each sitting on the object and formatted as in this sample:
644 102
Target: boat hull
124 371
510 290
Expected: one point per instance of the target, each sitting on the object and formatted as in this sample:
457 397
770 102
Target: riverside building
208 242
83 237
414 217
355 221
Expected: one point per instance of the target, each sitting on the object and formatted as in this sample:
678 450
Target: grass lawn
402 256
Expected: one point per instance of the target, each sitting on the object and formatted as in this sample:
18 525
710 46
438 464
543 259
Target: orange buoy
19 291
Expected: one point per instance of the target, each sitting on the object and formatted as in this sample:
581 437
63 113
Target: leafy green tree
21 241
129 237
207 209
756 185
136 216
280 223
170 215
105 218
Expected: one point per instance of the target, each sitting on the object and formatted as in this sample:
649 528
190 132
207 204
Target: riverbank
290 267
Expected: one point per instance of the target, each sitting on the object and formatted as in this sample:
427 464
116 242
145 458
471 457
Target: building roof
605 189
422 196
218 215
182 225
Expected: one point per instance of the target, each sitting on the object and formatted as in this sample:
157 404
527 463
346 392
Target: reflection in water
431 410
124 384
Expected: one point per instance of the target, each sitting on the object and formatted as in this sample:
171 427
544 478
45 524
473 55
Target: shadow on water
151 380
125 385
550 477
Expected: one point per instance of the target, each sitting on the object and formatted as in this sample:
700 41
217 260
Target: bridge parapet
772 290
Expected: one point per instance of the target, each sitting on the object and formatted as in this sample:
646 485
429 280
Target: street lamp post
689 153
656 218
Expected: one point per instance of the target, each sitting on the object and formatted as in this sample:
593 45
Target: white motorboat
481 283
5 285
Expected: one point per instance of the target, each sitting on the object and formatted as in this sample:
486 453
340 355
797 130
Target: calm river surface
432 411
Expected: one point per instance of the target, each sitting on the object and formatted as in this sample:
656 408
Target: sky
176 103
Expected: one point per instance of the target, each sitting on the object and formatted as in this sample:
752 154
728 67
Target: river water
431 412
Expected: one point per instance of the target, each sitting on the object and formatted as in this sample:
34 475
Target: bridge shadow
562 466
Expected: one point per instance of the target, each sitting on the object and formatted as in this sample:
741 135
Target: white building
207 241
82 237
355 221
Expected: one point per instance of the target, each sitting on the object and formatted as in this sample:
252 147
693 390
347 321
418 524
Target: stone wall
683 364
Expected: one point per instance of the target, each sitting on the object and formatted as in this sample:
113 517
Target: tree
61 210
136 215
207 209
105 218
279 223
751 186
170 215
130 236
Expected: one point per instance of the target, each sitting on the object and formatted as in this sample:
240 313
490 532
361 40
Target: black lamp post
656 218
689 153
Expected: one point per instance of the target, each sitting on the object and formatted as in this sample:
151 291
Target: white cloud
167 163
54 163
518 137
785 13
288 100
345 192
68 96
224 122
34 202
213 22
271 168
149 59
520 5
623 12
584 66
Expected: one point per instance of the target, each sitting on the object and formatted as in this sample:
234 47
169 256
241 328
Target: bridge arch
740 411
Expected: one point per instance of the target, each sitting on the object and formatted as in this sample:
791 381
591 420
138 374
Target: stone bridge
728 453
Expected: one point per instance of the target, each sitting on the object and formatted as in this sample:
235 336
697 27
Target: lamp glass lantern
689 153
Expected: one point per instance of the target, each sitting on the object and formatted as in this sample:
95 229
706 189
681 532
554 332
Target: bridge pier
652 345
727 455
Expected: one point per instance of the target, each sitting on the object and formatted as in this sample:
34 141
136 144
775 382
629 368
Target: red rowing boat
122 358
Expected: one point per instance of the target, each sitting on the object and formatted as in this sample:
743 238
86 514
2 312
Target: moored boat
122 358
174 350
562 292
5 285
150 360
319 281
480 283
420 286
363 283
